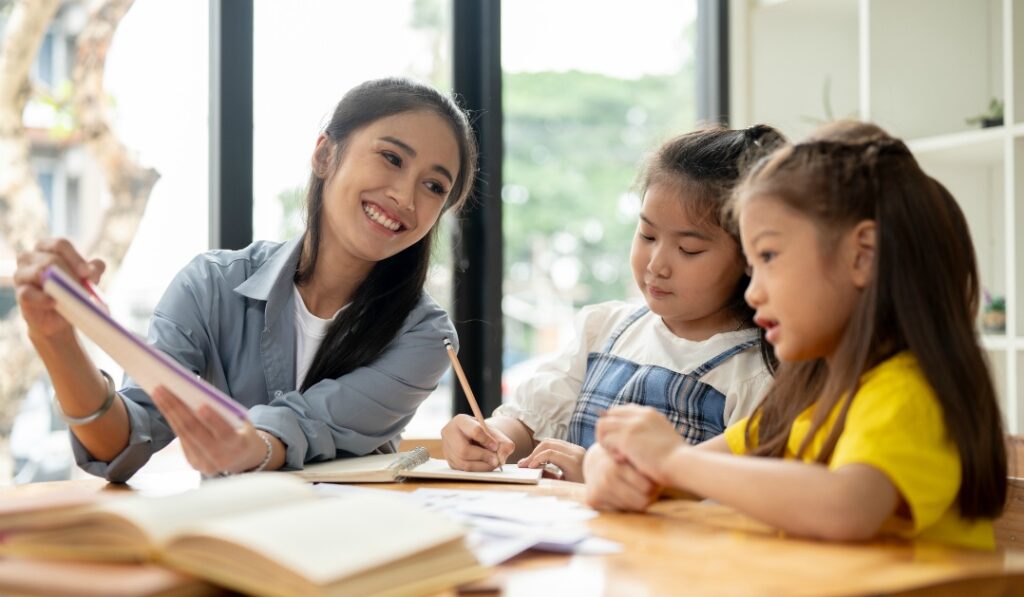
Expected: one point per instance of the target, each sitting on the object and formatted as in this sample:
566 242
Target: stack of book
260 534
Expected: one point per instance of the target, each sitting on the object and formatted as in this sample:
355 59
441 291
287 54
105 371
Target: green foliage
292 202
60 102
993 114
575 142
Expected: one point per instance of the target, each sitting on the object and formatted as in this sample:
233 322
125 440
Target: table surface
701 548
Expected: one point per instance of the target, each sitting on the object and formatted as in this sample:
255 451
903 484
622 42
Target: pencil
469 392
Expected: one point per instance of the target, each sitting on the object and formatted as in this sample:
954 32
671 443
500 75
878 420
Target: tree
23 220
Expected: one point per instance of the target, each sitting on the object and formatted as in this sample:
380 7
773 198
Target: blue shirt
229 317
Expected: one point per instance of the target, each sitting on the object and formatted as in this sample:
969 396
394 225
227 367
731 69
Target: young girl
882 418
692 352
291 329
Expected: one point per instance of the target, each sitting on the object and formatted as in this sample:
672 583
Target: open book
415 464
263 534
148 366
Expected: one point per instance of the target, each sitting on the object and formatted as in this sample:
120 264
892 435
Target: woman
328 339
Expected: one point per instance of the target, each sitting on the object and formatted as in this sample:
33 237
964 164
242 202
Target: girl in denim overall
692 351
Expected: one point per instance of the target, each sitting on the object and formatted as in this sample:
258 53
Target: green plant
994 303
993 116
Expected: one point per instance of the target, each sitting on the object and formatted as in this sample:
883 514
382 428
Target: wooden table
684 547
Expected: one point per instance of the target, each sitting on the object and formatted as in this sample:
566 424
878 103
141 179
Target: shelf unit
919 68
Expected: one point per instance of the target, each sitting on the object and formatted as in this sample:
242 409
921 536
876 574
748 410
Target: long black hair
707 164
394 286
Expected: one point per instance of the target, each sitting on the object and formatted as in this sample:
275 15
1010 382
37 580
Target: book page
315 543
436 468
20 576
161 517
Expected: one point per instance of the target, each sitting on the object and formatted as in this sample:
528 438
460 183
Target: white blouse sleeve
546 400
742 398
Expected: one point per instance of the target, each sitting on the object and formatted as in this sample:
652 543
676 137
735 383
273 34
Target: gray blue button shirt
229 317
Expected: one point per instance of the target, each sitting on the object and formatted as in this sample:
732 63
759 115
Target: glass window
306 56
44 60
581 111
45 182
157 73
156 76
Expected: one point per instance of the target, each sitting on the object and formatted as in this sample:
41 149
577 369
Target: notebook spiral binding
409 461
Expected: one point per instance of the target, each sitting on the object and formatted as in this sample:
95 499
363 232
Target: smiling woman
290 329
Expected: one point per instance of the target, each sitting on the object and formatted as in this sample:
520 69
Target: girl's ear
321 161
863 245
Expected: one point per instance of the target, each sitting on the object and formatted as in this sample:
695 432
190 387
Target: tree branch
22 211
129 182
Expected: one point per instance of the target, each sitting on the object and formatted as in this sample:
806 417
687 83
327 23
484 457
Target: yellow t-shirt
895 425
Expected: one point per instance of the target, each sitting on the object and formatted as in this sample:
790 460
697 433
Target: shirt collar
276 275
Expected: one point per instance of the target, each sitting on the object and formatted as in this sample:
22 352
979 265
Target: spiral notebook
415 464
148 366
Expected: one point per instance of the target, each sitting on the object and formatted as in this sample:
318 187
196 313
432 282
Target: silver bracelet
266 459
99 412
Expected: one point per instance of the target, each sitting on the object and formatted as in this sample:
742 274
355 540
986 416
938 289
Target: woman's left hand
211 445
564 455
641 435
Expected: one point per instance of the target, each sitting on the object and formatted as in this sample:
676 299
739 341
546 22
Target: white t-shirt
545 402
309 334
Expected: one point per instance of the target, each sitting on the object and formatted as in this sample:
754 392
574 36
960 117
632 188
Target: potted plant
993 314
989 118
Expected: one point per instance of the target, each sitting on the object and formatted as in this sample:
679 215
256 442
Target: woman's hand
37 307
210 443
566 456
616 486
641 435
467 447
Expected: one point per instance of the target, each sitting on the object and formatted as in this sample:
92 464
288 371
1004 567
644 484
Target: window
44 60
156 74
579 118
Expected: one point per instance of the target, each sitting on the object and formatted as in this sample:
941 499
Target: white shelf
919 78
982 146
826 8
1000 342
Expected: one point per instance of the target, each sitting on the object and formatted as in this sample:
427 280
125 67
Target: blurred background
112 134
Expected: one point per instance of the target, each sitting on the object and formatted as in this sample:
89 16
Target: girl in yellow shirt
883 417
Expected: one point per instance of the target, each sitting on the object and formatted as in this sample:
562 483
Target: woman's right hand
467 447
37 307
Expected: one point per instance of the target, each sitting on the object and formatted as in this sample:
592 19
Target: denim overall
696 409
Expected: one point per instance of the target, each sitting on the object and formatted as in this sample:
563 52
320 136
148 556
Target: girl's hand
467 447
564 455
36 306
616 486
641 435
210 443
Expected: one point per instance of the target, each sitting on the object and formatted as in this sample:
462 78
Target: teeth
380 218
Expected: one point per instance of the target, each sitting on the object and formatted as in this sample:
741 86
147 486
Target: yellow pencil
469 393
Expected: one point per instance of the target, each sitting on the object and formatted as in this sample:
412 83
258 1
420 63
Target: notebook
148 366
415 464
263 534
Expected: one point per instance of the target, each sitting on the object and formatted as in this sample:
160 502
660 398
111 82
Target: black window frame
477 76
